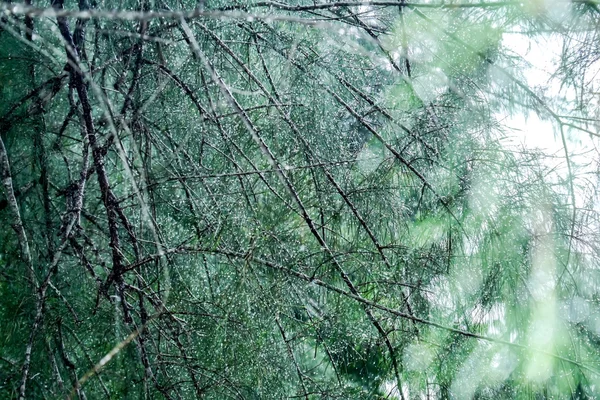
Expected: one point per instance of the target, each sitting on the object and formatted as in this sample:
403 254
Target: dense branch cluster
296 200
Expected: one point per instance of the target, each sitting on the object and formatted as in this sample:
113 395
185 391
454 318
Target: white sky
531 132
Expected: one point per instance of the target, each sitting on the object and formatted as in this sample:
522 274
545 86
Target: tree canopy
316 200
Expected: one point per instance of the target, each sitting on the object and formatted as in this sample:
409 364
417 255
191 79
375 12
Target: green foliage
299 200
